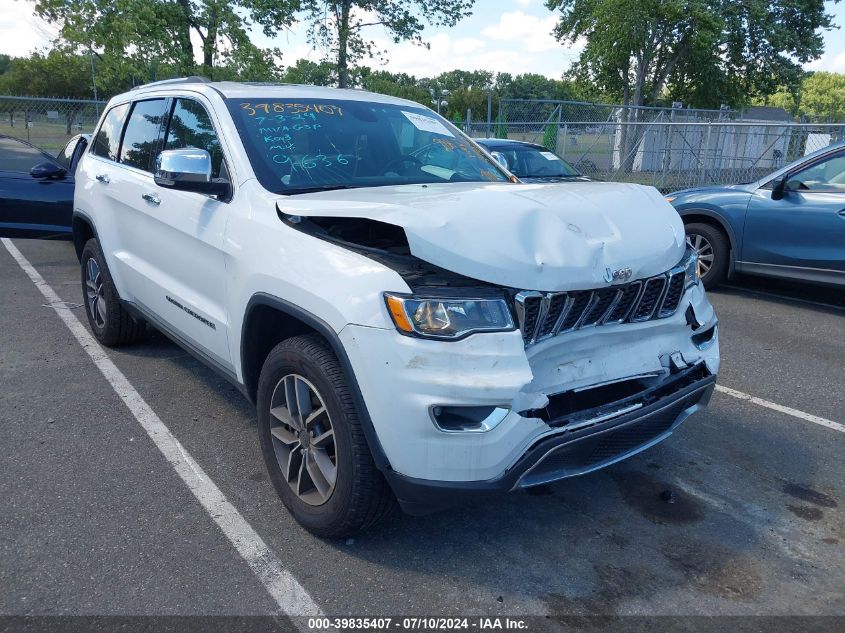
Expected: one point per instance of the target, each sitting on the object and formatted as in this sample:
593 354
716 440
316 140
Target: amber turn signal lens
397 311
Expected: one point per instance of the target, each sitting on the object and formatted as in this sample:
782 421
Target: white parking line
290 596
809 417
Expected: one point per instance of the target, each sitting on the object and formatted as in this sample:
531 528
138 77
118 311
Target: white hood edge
546 237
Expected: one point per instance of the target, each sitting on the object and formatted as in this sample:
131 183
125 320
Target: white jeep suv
411 321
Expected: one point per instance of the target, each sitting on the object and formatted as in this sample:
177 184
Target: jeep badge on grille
623 274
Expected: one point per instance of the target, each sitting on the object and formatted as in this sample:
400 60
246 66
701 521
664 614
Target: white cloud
20 31
468 45
532 33
830 62
447 54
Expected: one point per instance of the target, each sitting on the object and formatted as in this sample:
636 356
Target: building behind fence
669 148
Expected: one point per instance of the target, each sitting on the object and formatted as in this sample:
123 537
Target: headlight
690 264
448 318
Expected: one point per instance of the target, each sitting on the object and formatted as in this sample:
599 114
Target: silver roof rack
179 80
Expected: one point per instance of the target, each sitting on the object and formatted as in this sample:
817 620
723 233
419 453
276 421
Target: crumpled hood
532 237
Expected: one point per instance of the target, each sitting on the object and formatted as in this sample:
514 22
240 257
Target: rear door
32 207
801 235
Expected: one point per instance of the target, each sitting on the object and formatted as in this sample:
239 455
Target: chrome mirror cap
174 166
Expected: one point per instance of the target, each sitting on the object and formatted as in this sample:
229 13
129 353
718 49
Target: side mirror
48 171
500 158
779 188
188 170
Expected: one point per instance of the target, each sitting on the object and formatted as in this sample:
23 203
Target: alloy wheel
94 291
704 248
303 439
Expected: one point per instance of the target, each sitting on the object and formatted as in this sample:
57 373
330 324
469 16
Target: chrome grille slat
556 302
674 293
579 303
649 299
630 296
599 305
563 313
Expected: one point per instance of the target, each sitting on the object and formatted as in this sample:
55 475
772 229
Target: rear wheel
111 324
313 443
713 250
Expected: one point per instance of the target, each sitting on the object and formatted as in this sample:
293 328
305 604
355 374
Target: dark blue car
790 224
530 162
36 189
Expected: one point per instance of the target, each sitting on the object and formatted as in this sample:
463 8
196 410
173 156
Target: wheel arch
83 230
269 320
716 220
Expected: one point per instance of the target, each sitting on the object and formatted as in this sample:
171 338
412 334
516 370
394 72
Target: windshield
327 144
526 161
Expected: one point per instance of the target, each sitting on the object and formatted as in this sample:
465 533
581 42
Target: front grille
545 314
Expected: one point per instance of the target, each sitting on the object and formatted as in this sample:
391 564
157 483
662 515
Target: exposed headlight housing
690 264
448 319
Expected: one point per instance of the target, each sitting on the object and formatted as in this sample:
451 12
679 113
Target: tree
135 37
338 25
711 50
55 74
823 96
395 84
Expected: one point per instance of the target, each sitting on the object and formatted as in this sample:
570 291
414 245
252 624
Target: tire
714 252
300 464
111 324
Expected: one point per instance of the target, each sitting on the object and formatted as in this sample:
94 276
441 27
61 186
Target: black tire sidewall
105 334
721 252
285 360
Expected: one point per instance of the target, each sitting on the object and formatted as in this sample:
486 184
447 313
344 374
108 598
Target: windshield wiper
296 191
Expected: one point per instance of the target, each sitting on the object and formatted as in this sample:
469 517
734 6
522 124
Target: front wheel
313 443
713 250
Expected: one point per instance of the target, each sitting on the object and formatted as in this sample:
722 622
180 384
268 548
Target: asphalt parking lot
95 520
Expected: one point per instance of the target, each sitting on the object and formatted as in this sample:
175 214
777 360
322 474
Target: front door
174 239
801 235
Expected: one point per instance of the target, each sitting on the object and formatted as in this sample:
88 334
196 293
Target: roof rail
194 79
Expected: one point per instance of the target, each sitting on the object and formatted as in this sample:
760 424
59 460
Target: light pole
438 97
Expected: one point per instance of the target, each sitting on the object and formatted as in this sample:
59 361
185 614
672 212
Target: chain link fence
47 123
668 148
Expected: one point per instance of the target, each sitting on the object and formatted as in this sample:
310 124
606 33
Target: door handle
152 198
103 178
842 213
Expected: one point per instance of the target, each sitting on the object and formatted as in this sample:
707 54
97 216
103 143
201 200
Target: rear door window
107 141
142 137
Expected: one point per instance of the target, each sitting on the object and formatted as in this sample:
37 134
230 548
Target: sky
502 36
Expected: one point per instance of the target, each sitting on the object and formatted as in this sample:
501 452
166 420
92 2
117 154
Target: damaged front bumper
573 403
578 451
